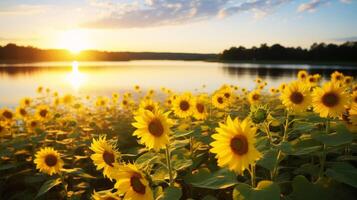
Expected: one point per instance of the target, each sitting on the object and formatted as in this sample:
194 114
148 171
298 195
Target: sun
74 40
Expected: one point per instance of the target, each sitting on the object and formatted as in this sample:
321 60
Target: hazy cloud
311 6
24 9
346 1
148 13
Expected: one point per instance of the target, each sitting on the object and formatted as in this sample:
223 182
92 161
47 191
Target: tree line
346 52
14 53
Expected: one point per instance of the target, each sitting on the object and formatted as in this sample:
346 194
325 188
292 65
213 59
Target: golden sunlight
76 78
74 40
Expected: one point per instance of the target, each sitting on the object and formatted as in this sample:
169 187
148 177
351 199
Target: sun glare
76 78
74 40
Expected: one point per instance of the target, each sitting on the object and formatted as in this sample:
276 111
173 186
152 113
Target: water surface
104 78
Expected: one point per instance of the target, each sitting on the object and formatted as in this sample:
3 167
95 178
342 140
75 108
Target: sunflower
67 99
354 99
101 102
105 195
183 105
43 112
282 87
105 156
337 77
200 111
228 93
2 129
153 129
348 80
219 101
7 114
48 161
234 145
296 97
39 89
311 81
131 182
148 104
25 102
302 75
254 97
21 112
32 125
330 100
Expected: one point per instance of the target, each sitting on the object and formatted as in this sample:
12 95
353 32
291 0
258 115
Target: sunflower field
297 141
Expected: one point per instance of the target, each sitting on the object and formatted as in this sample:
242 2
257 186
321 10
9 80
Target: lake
104 78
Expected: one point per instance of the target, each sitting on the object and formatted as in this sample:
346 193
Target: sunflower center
33 124
338 77
330 99
1 128
23 112
27 102
108 158
296 97
312 80
355 99
125 102
156 128
220 100
200 108
239 145
149 107
255 97
136 184
51 160
7 114
43 113
227 95
184 105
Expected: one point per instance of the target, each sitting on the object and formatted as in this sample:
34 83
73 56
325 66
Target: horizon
175 26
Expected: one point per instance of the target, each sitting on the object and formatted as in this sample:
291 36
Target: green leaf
47 186
147 159
342 136
9 166
266 190
304 190
182 134
220 179
171 193
304 146
269 159
343 172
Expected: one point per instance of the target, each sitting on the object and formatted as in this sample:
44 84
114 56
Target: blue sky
175 25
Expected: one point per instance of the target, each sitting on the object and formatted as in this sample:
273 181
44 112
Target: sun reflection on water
76 78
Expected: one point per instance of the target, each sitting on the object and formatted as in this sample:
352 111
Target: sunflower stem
64 184
252 175
275 171
323 155
168 161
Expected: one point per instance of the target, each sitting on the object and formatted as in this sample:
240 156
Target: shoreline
280 62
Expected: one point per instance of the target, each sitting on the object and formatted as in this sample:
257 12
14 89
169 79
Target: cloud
311 6
346 1
23 9
149 13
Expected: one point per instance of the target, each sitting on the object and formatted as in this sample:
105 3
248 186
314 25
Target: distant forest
317 53
346 52
15 53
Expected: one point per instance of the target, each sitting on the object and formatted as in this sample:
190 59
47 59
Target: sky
197 26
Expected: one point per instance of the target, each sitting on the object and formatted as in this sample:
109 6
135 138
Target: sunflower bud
259 115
